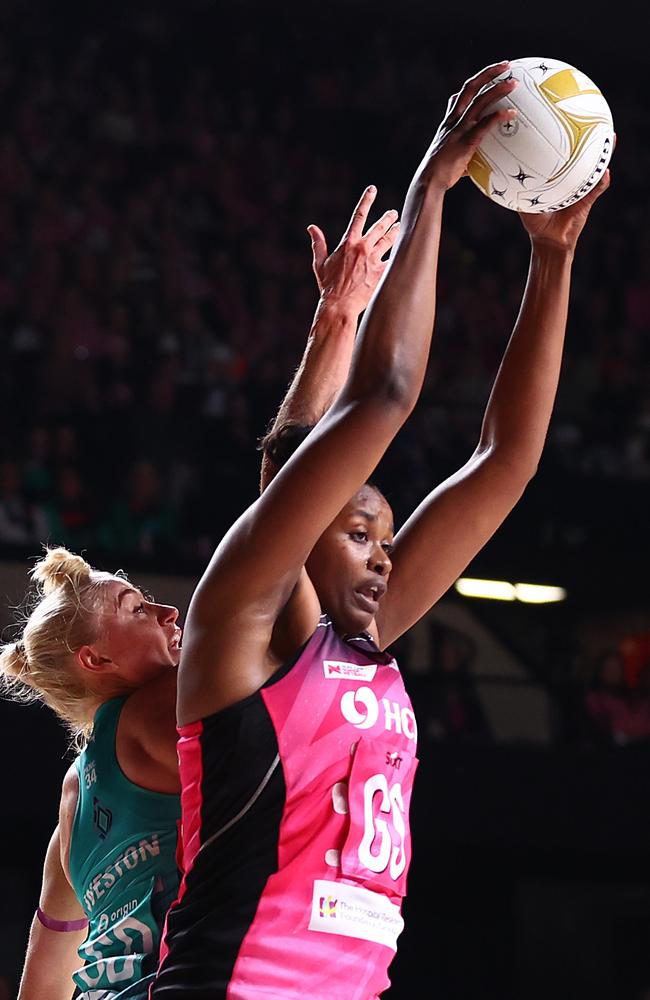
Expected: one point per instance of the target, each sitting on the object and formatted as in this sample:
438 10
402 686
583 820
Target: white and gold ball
558 146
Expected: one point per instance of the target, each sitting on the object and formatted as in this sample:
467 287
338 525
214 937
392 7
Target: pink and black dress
296 840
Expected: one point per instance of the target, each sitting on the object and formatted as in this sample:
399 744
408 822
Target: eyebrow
363 513
360 512
122 594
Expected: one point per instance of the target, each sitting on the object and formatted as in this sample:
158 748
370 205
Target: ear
89 659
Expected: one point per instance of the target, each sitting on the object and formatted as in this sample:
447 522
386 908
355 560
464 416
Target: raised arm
454 522
52 955
347 279
256 566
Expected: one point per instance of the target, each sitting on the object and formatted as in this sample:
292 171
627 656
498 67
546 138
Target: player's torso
299 849
122 861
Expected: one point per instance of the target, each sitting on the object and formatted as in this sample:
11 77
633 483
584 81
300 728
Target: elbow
519 470
395 386
388 369
398 392
515 467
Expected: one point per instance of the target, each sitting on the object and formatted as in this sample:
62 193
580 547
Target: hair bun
60 568
13 661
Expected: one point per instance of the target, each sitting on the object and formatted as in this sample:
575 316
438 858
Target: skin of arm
455 521
346 280
227 650
52 955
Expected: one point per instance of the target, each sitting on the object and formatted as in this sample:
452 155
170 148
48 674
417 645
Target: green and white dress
123 868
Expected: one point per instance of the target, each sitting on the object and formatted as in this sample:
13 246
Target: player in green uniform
105 659
122 864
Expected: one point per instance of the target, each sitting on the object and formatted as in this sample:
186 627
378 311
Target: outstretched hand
465 124
562 229
350 274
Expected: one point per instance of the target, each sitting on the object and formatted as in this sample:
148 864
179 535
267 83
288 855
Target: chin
351 624
160 669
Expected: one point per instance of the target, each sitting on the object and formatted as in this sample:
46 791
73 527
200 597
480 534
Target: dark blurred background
159 164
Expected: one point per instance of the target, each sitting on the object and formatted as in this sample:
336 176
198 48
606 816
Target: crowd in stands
597 702
156 181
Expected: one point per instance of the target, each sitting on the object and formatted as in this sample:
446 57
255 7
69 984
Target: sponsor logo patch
349 671
327 906
354 912
102 818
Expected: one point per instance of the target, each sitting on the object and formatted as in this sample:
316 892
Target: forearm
392 346
320 375
49 964
520 405
324 366
52 953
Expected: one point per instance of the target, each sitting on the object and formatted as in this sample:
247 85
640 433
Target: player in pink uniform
143 747
297 739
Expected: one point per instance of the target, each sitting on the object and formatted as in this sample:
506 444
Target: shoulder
69 792
67 810
145 742
219 670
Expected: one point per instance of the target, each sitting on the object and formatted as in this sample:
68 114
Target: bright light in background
534 593
495 590
500 590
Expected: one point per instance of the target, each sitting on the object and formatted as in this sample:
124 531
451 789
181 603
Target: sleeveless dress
296 839
123 867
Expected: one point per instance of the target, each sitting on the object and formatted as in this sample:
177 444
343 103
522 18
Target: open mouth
175 642
368 597
365 602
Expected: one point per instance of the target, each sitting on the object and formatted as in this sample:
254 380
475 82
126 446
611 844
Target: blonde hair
62 617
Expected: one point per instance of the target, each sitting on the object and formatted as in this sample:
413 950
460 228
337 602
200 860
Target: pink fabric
191 772
329 917
61 925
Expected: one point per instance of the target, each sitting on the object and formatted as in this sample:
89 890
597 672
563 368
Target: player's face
350 564
139 637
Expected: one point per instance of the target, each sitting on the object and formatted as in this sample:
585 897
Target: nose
167 614
379 561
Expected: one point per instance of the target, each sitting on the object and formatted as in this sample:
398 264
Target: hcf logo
327 906
362 709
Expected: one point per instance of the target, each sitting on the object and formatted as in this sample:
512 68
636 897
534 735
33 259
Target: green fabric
122 866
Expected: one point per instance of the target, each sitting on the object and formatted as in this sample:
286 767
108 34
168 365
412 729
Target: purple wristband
61 925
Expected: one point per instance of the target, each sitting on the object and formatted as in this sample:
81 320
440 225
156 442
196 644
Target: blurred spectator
37 465
615 712
71 513
454 712
141 521
635 652
22 522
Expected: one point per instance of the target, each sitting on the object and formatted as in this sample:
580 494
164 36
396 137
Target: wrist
426 195
337 312
428 182
553 252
